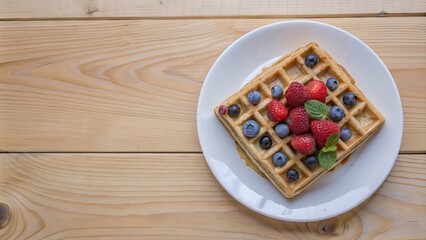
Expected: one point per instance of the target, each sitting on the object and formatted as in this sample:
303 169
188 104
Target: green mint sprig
317 109
328 155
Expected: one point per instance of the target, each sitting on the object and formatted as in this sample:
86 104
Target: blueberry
292 175
350 99
345 133
233 110
251 128
336 113
265 142
311 161
332 84
277 91
253 97
311 60
279 159
282 130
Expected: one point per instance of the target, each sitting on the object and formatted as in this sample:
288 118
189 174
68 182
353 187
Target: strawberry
277 111
296 94
305 143
322 129
298 120
316 90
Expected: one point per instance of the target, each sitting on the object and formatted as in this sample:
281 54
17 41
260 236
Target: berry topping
234 111
277 111
311 60
223 110
279 159
251 128
316 90
276 91
336 113
311 161
293 175
298 120
332 84
282 130
265 142
253 97
305 144
322 129
296 94
345 133
350 99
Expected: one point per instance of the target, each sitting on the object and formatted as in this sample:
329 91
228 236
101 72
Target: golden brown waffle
362 119
249 163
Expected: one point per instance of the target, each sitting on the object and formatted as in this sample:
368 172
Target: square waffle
362 119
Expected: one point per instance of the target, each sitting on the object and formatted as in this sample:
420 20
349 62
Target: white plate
336 192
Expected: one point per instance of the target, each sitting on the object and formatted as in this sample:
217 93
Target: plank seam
380 14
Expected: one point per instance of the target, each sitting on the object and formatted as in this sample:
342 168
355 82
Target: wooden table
98 109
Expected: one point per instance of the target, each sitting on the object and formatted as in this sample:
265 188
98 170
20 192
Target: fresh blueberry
311 60
265 142
345 133
279 159
336 113
311 161
277 91
253 97
292 175
234 110
282 130
332 84
251 128
350 99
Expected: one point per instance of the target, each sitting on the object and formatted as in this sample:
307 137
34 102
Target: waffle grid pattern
362 119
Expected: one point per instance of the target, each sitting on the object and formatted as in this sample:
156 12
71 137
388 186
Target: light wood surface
30 9
82 196
124 76
133 85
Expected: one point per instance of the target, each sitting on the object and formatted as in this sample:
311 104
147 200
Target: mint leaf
316 109
328 154
327 159
332 140
329 149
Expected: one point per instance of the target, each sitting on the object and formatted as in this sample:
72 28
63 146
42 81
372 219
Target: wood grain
31 9
160 196
132 86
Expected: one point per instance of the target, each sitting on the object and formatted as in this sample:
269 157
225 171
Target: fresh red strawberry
322 129
305 143
296 94
316 90
277 111
298 120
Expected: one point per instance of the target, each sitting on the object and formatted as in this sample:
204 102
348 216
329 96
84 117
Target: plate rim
283 217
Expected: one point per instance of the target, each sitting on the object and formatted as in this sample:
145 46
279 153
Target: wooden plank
414 106
158 196
31 9
133 85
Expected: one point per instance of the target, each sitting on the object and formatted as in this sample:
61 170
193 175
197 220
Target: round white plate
335 192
